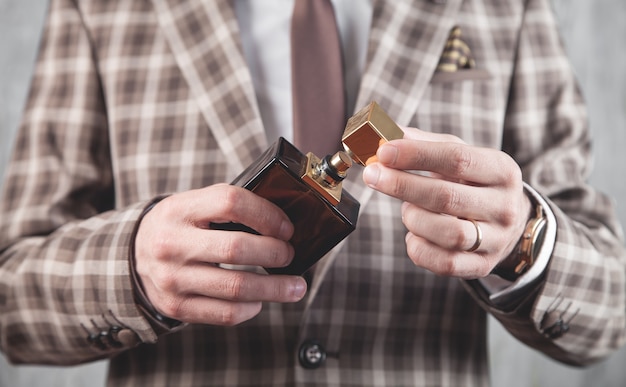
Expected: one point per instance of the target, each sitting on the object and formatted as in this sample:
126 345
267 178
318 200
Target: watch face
538 237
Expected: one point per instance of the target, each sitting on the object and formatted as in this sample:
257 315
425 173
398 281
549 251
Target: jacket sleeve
575 312
65 292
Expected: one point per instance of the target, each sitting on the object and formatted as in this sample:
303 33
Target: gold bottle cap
366 130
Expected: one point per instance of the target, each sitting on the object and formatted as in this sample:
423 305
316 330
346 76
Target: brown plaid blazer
132 99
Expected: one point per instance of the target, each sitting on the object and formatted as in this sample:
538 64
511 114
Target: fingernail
387 154
371 174
286 230
299 288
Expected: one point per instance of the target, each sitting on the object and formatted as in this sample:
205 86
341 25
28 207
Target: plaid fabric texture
134 99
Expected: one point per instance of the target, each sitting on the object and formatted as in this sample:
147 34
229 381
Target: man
139 110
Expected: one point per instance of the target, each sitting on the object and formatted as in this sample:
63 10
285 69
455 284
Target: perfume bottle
309 189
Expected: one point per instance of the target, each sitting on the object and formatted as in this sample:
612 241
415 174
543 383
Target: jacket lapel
406 41
204 39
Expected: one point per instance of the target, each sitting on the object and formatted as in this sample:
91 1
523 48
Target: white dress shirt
265 33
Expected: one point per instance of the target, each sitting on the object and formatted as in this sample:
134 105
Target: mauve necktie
317 78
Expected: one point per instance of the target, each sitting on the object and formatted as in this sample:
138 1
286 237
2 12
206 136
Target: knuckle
230 249
235 285
460 239
166 281
512 215
509 214
461 160
399 188
512 175
163 247
172 307
510 171
231 199
448 267
230 315
447 199
167 207
235 313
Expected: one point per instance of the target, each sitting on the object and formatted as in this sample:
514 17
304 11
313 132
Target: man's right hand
177 256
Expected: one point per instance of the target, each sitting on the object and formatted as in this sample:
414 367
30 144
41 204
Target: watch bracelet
521 257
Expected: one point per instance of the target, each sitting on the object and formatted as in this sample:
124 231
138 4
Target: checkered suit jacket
132 99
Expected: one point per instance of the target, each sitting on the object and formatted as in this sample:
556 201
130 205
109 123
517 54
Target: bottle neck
325 176
333 168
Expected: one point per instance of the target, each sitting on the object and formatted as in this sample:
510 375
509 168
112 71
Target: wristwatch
527 248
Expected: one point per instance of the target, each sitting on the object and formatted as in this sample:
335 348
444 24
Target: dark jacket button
127 338
311 354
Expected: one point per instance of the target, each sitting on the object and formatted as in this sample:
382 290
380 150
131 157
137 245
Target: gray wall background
595 37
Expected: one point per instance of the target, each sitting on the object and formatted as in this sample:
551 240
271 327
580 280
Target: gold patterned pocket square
456 62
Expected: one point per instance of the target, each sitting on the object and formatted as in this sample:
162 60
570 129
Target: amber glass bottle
319 224
309 191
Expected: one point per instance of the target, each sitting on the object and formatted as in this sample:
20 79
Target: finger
203 310
238 285
435 195
179 246
446 262
226 203
233 296
447 232
455 161
235 248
